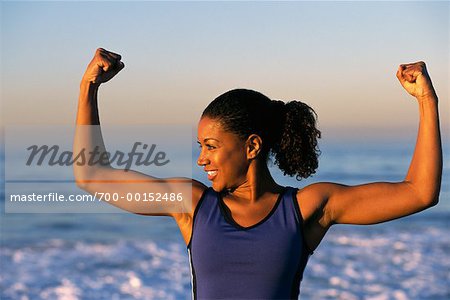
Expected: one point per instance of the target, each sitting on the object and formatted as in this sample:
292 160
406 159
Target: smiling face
223 155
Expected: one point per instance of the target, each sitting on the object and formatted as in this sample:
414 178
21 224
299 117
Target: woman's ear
253 146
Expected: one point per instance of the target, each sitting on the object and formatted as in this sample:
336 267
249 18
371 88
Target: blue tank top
263 261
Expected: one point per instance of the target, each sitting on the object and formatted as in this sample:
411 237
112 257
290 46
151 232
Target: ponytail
296 149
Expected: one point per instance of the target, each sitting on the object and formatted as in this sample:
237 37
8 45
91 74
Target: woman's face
222 156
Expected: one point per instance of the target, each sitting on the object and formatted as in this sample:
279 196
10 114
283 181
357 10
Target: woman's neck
258 184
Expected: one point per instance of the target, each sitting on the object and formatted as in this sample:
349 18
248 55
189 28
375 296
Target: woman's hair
288 130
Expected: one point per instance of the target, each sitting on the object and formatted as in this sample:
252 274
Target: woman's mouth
211 174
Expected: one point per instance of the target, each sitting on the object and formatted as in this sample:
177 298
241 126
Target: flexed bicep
129 190
383 201
372 203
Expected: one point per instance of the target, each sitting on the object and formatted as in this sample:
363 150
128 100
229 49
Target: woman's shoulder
312 199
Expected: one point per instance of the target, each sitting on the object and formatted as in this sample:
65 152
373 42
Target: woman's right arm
103 178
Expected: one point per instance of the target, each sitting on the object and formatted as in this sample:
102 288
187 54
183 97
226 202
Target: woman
247 236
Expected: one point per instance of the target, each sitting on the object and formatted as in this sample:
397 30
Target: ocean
70 256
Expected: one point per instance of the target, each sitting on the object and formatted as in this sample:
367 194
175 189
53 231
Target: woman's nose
202 160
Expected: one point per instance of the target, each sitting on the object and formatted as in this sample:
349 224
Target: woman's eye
209 147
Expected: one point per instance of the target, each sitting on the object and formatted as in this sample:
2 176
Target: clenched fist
415 80
104 66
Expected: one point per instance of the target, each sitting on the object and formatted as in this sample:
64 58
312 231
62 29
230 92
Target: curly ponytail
296 151
288 130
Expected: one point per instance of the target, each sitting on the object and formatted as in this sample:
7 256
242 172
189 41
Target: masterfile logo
41 162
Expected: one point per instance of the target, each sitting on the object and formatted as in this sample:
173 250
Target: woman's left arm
383 201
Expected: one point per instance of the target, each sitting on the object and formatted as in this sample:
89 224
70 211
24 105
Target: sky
339 57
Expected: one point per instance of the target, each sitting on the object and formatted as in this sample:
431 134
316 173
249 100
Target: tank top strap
290 198
206 206
208 200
